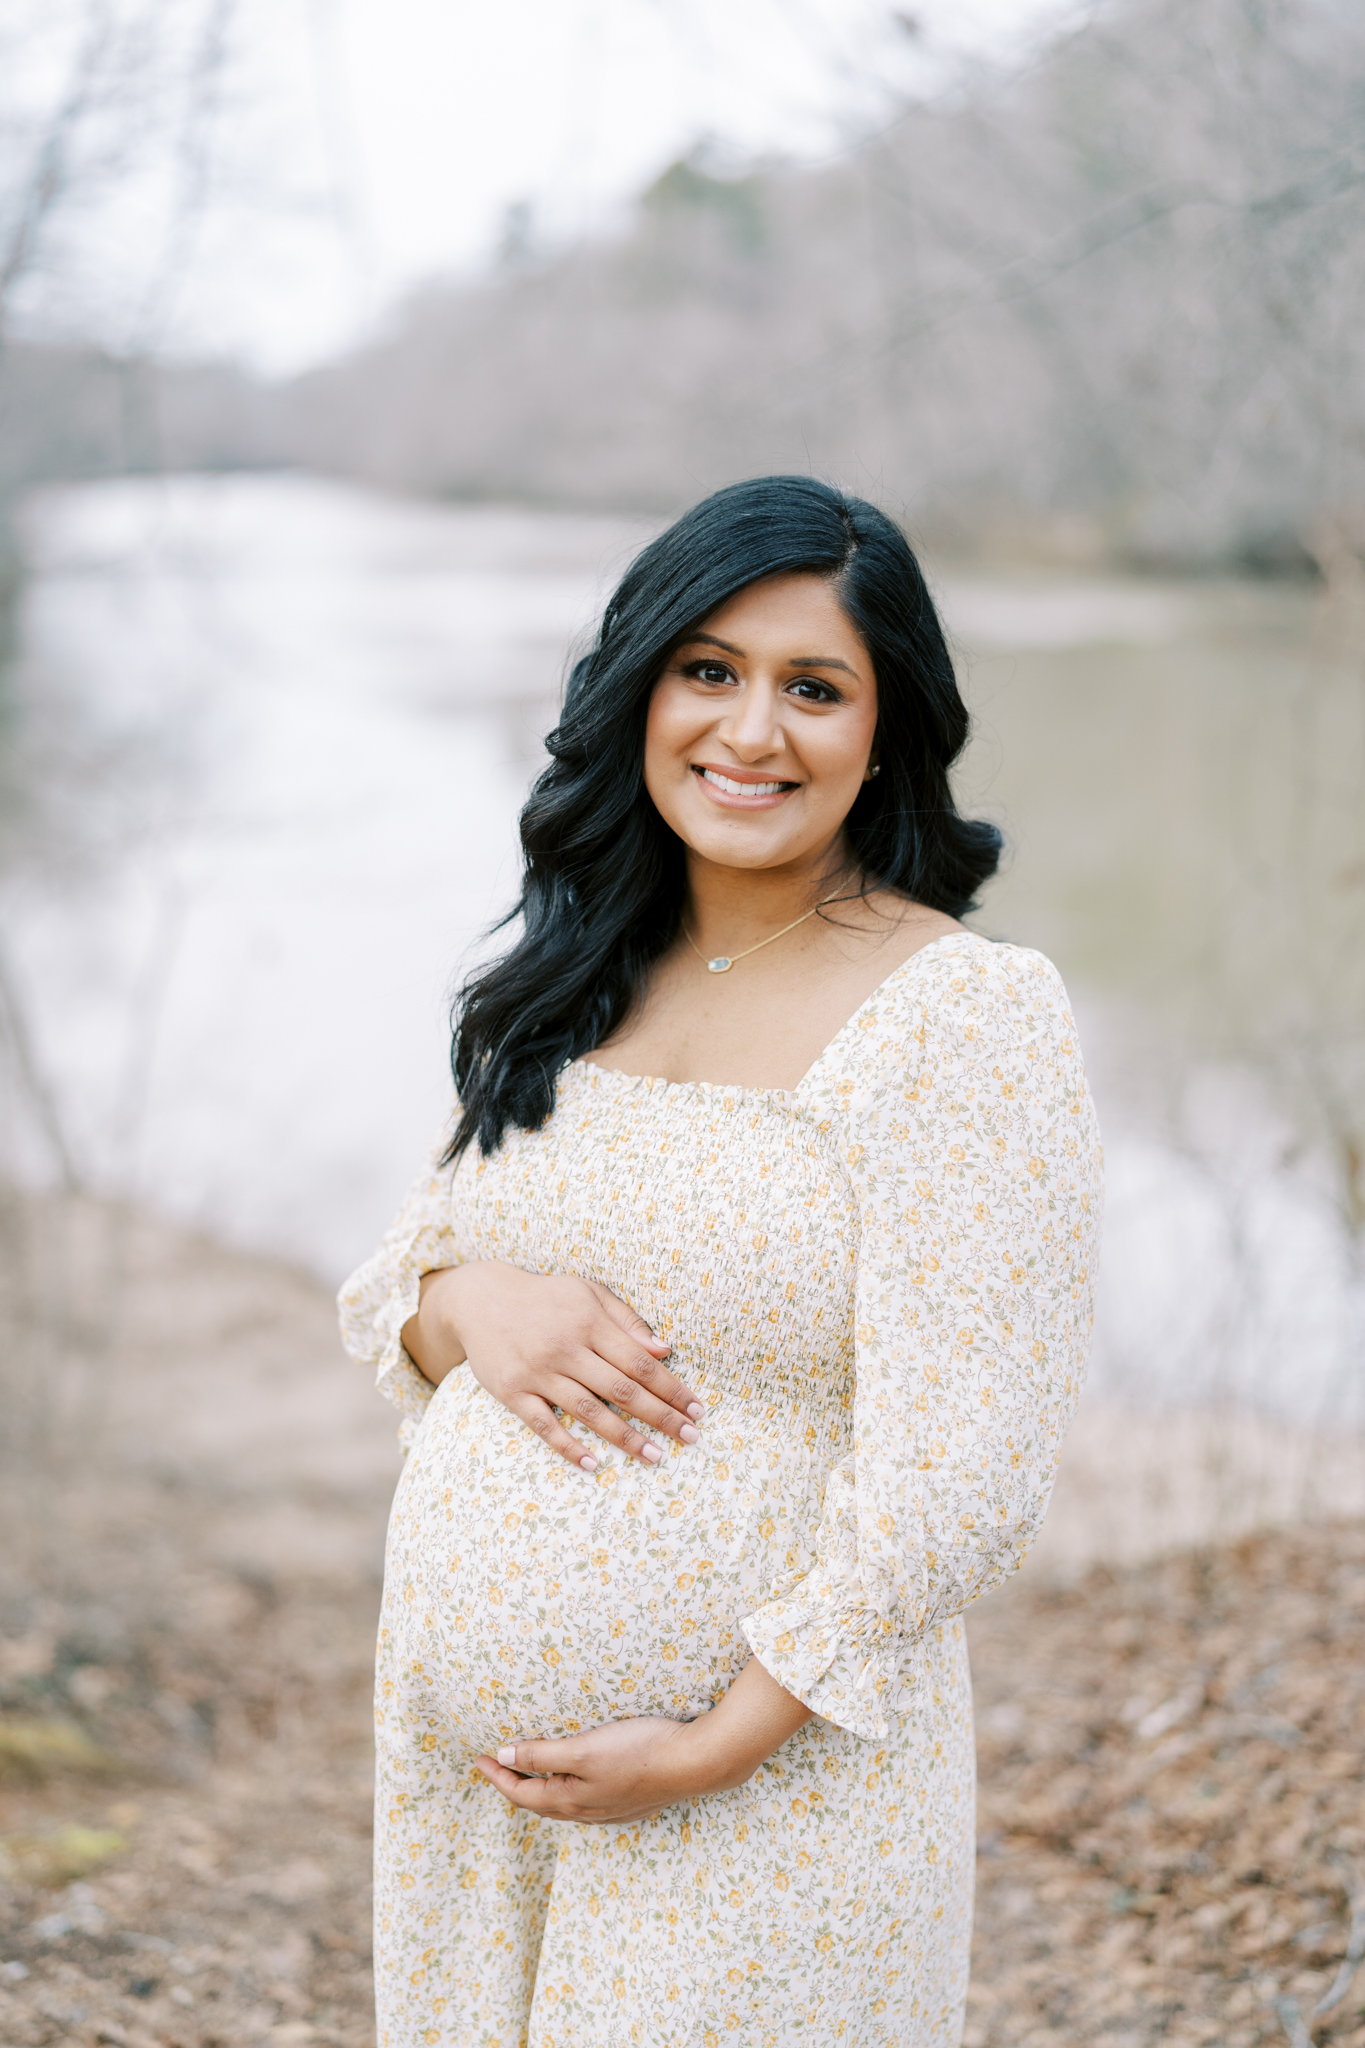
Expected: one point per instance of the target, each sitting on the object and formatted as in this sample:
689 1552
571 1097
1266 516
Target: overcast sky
338 152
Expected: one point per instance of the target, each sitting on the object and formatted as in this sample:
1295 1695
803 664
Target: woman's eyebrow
793 660
711 641
819 661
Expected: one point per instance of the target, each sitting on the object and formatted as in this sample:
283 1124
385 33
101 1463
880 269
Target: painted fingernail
508 1756
690 1434
695 1410
651 1454
588 1464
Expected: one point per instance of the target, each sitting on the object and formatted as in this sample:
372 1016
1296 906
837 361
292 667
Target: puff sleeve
381 1295
967 1131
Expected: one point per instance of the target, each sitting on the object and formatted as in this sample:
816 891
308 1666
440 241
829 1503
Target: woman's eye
711 672
813 690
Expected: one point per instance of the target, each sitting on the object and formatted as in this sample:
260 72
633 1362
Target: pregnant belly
527 1599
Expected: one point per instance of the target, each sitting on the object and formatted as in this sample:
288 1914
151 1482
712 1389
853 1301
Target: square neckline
735 1088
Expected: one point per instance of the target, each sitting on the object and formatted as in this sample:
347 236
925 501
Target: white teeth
733 788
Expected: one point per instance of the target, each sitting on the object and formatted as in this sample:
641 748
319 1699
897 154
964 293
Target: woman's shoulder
961 1002
961 985
969 1032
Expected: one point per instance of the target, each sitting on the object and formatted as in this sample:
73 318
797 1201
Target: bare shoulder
886 927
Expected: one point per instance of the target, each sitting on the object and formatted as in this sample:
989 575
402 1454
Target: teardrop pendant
720 965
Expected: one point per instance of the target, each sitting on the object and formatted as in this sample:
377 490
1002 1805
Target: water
294 722
335 701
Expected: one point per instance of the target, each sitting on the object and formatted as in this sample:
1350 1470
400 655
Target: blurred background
347 352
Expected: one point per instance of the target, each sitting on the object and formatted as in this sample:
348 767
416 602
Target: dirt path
1172 1818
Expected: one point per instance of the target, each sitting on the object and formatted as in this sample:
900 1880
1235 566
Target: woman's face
761 726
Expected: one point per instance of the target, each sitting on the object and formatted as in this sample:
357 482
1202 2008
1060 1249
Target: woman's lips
735 793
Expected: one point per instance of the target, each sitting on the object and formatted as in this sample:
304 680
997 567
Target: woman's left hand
628 1769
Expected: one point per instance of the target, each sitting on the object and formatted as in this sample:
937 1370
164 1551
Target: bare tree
1120 285
102 96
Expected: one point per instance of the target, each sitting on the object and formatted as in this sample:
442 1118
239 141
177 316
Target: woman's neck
728 908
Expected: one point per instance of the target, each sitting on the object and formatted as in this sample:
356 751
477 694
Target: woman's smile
741 788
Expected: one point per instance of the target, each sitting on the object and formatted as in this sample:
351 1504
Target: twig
52 169
14 1025
1299 2029
1355 1955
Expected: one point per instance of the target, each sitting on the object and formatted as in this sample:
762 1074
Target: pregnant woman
736 1326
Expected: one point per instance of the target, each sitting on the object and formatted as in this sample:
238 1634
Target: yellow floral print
881 1284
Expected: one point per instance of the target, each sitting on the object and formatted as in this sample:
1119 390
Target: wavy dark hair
605 876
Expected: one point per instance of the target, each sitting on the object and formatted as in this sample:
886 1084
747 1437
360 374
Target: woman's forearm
626 1769
752 1720
430 1337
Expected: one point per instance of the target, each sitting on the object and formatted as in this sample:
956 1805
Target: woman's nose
751 725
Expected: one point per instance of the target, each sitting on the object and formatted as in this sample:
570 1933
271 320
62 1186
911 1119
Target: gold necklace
723 962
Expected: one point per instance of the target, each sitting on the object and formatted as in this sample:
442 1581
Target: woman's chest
724 1218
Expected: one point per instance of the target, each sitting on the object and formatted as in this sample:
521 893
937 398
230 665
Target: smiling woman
612 875
673 1708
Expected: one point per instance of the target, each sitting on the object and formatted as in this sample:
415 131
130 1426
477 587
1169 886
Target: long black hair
605 876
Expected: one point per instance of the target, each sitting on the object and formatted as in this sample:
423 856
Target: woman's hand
539 1342
619 1772
628 1769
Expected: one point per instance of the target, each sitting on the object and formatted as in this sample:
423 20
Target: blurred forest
1111 305
1104 310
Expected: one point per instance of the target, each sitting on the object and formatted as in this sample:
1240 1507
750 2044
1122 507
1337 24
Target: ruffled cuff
822 1640
845 1668
400 1380
374 1306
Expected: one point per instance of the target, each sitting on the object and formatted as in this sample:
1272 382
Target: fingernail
695 1410
508 1756
588 1464
651 1454
690 1434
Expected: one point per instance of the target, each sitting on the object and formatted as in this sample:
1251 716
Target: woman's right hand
541 1341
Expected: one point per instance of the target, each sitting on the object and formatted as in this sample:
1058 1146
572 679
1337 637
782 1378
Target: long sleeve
967 1131
381 1295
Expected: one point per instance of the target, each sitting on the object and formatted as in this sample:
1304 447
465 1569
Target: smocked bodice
724 1216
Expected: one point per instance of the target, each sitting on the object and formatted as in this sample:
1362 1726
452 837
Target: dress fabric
881 1283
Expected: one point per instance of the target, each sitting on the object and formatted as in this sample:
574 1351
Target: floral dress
880 1282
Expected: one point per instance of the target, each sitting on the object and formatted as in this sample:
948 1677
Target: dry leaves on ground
1172 1815
1171 1818
221 1864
